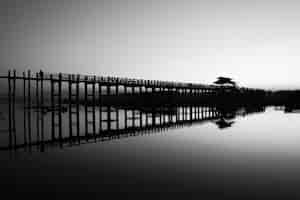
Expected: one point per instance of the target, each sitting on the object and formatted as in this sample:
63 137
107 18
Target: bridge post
14 108
86 107
160 107
117 110
42 109
141 114
29 106
100 106
77 109
52 108
108 109
160 115
184 113
9 110
176 116
125 110
60 109
153 123
94 104
133 111
24 109
70 107
190 112
37 107
146 119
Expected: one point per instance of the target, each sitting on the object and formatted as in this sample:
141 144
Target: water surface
257 156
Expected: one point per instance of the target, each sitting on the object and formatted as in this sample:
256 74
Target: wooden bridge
60 94
73 107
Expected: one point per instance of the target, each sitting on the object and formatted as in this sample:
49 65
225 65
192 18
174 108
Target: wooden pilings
140 112
9 110
73 107
117 110
77 108
24 109
14 108
86 106
70 102
100 106
12 137
29 105
125 109
56 107
133 111
52 108
108 110
93 106
42 108
59 113
68 93
37 107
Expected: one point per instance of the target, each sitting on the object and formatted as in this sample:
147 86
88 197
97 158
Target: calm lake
257 156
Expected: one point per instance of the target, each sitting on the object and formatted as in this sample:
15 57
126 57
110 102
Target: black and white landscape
150 99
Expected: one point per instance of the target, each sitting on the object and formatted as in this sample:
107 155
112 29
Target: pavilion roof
223 81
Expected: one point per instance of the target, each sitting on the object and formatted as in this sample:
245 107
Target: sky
257 43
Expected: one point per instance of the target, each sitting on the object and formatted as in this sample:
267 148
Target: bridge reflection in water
108 123
64 109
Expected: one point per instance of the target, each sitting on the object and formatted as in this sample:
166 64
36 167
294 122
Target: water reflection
2 117
64 127
293 108
228 113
